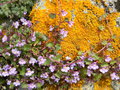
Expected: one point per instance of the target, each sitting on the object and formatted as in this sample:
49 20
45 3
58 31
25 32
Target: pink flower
52 68
63 33
44 75
64 13
93 66
16 52
4 39
16 24
70 23
65 69
51 28
104 70
32 85
114 76
17 83
29 72
89 72
108 59
32 61
22 61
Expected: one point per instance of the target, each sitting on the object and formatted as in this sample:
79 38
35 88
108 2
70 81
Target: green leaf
27 47
88 62
14 36
11 86
47 62
38 34
112 62
101 28
1 26
95 56
80 53
110 49
104 64
50 44
57 57
24 85
44 51
104 42
44 37
97 76
84 72
22 72
114 36
52 15
55 27
66 19
58 47
39 85
58 74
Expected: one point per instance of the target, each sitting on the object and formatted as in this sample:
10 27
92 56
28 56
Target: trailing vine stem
8 2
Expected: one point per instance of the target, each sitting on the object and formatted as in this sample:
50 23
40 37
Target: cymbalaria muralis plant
64 45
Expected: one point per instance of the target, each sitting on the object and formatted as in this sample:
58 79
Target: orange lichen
85 32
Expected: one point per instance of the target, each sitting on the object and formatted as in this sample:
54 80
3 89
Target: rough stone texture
117 5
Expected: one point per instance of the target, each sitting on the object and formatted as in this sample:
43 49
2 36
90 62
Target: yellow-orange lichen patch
85 32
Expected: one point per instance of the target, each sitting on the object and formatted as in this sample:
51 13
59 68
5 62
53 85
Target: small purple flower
44 75
67 79
22 61
70 23
32 61
104 70
33 38
68 58
12 71
29 72
119 66
8 82
82 57
24 21
90 59
20 44
29 24
11 46
16 52
6 67
4 39
93 66
57 79
25 13
41 60
65 69
53 77
5 74
114 76
52 68
72 66
31 85
7 53
0 31
16 83
89 72
73 81
75 74
77 78
63 33
108 59
51 28
64 13
81 63
16 24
